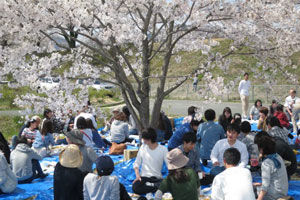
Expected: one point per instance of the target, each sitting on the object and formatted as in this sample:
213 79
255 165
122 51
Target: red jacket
282 118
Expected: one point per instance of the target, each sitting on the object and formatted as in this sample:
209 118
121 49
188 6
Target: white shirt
85 116
289 101
220 147
132 124
244 87
88 137
235 183
151 160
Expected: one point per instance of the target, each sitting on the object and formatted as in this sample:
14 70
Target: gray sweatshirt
119 131
101 188
20 159
274 181
89 157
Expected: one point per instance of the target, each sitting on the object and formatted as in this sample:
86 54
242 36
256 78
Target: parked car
98 85
49 82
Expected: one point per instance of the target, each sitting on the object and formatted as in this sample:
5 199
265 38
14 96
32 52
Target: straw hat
176 159
75 136
71 157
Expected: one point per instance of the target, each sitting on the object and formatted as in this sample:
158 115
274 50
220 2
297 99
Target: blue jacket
194 161
207 136
97 139
43 141
176 139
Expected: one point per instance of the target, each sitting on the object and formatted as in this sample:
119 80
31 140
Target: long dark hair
4 147
179 175
227 109
47 127
126 111
89 124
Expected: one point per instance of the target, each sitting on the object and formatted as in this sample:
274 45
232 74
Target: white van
49 82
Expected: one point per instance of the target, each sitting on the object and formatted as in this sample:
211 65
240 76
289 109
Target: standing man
289 104
244 88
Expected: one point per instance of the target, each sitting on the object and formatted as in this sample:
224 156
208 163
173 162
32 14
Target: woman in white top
87 133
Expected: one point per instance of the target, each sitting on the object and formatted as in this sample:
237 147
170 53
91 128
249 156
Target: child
24 161
44 139
103 186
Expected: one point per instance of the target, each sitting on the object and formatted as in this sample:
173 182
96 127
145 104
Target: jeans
133 132
160 135
36 172
146 185
216 170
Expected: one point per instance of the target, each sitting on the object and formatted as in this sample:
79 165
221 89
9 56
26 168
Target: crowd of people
230 148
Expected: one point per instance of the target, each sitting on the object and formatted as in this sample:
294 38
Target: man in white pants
295 114
244 88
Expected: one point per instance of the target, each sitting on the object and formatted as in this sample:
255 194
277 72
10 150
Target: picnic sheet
42 189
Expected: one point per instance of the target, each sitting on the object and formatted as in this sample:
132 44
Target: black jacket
68 183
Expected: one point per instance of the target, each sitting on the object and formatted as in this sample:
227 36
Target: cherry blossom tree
117 42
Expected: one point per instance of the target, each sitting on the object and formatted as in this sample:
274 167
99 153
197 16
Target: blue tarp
43 189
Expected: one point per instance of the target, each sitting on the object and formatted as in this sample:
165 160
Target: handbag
117 149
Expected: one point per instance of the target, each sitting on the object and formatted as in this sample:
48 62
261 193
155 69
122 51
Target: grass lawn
10 125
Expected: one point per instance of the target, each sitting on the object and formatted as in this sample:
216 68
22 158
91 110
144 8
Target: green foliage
93 93
10 125
62 68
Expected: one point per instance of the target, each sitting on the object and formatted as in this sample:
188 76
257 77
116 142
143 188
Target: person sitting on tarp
252 148
281 116
263 113
273 173
191 112
150 158
8 181
98 141
182 182
220 147
102 186
119 130
25 162
208 134
88 153
68 179
176 139
44 139
86 132
188 149
235 182
284 150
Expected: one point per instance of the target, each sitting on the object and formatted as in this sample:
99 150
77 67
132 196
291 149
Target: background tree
117 41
